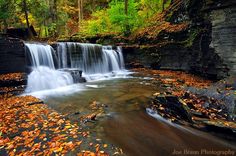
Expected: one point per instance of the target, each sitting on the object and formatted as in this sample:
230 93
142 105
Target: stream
125 121
113 103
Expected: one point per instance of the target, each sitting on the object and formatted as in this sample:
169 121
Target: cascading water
90 58
41 55
96 62
43 75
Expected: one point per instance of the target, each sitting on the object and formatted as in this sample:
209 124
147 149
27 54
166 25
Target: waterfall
121 58
96 62
41 55
90 58
43 75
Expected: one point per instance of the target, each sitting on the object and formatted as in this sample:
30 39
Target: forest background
63 18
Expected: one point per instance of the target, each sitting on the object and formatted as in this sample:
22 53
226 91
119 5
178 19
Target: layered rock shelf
12 55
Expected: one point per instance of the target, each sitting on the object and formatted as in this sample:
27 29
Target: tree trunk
163 5
93 5
127 28
126 7
5 26
54 18
55 11
26 14
82 9
80 12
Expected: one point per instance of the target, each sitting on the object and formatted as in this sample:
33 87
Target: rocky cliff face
198 36
223 19
206 47
12 55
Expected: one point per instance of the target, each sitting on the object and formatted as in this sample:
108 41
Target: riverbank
29 126
194 101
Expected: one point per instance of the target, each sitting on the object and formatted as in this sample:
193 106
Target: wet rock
172 106
12 55
221 127
199 114
88 118
186 95
77 113
76 74
206 105
14 82
224 100
207 46
134 65
95 105
92 116
81 80
202 112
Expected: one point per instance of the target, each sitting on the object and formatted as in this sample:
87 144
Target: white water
90 58
153 114
43 75
97 63
41 55
43 78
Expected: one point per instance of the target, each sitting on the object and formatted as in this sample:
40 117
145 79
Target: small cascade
43 75
96 62
41 55
90 58
42 78
121 58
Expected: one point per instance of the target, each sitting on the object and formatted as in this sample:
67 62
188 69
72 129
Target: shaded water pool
124 122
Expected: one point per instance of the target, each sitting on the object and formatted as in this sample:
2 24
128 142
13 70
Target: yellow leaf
67 127
58 149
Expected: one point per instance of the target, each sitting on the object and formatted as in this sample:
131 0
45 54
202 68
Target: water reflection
139 134
127 124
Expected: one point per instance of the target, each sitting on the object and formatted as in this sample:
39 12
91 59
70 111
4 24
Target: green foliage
40 10
113 19
99 23
150 7
6 11
60 17
120 19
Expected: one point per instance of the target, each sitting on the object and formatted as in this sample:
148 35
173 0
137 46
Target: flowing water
124 120
90 58
96 62
127 124
43 75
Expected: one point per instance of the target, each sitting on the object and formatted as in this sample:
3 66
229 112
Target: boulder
172 106
76 74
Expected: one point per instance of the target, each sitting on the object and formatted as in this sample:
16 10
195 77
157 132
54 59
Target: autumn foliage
29 127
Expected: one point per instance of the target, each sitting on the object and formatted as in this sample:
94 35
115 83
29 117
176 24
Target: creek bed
122 119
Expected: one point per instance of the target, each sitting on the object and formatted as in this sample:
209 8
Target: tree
6 9
126 7
163 4
40 11
123 14
25 9
66 17
80 11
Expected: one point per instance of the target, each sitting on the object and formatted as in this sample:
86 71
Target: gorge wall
12 55
223 18
206 46
198 36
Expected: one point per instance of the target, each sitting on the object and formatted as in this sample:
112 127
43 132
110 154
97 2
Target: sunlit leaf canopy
68 17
